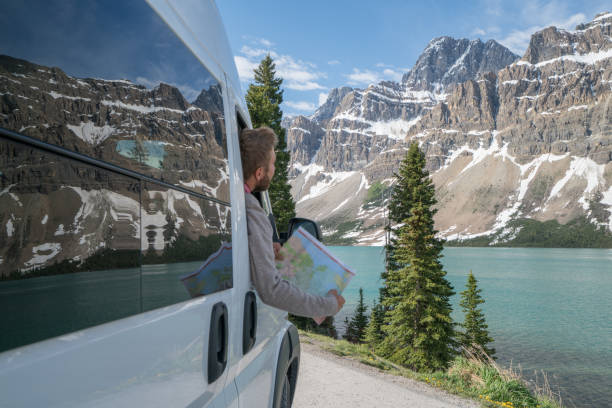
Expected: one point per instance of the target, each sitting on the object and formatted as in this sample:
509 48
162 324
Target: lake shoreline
545 307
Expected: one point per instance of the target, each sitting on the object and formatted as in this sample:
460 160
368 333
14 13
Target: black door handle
249 324
217 342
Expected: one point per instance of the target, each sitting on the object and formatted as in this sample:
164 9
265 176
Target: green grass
469 376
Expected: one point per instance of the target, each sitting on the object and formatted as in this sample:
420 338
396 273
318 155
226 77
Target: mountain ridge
538 127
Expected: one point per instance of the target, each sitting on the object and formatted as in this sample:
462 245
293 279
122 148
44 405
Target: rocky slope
504 138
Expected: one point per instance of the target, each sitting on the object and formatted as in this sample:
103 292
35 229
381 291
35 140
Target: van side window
69 245
179 232
82 244
129 92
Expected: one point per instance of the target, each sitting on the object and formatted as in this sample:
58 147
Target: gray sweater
272 289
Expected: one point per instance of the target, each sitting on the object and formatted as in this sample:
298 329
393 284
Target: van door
253 358
116 266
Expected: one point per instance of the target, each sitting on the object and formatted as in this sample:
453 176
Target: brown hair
255 148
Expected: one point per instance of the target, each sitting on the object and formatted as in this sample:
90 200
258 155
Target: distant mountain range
506 138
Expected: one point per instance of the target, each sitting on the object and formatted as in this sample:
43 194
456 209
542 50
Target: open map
213 275
311 267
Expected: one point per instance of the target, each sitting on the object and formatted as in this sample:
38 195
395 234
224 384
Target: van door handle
217 342
249 325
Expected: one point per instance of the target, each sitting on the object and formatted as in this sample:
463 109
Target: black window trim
61 151
241 123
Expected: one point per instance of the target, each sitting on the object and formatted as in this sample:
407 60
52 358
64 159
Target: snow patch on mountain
330 179
91 133
584 168
42 253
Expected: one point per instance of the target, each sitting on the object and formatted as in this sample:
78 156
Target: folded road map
309 265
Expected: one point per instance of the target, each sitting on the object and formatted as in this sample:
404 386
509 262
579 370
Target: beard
263 185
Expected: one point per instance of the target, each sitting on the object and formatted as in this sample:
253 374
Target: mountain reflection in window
179 233
146 104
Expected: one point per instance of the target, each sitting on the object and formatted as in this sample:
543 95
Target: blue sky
320 45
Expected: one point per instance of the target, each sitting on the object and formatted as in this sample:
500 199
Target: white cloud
333 62
518 40
393 74
479 31
322 98
265 42
301 106
245 68
258 41
297 74
303 86
255 52
365 77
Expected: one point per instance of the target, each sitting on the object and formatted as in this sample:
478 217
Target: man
258 158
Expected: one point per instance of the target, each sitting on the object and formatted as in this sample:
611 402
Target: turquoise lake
547 309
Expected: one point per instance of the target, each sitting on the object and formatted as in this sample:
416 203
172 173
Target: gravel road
326 380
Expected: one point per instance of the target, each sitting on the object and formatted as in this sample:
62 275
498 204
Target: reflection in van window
69 245
180 233
80 245
146 104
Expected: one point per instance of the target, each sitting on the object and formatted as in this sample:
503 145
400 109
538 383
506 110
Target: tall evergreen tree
356 327
374 332
263 100
419 331
474 325
410 175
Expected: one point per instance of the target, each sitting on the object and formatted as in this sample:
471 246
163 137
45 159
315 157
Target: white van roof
198 24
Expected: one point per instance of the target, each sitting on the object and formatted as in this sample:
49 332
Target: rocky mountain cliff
448 61
504 138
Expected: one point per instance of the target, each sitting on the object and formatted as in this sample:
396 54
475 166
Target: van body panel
152 359
154 351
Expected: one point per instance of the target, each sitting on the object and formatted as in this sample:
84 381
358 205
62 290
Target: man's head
258 157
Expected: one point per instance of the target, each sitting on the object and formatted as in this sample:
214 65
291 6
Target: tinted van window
112 81
180 233
82 244
69 245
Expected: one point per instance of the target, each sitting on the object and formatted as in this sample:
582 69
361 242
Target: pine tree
356 327
410 175
419 331
374 334
474 323
349 331
263 100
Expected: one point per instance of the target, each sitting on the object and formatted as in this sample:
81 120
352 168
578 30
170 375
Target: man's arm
271 287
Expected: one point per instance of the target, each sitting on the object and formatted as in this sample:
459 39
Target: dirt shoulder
329 380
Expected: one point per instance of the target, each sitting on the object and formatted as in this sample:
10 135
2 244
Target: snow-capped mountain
504 138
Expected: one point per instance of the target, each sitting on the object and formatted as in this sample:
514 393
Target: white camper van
124 271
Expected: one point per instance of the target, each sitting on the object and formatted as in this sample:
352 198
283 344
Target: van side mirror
309 225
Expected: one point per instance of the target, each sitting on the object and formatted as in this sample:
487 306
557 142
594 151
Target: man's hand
277 255
338 297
